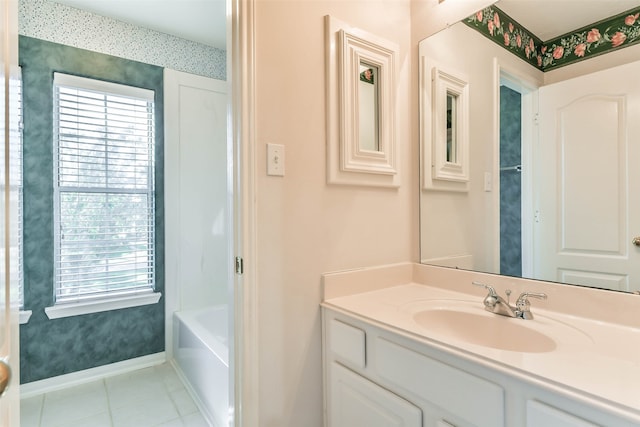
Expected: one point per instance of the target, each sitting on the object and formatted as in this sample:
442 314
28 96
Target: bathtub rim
189 318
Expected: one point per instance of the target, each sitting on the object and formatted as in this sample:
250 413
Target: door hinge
239 265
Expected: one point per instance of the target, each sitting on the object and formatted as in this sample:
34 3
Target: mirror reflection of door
588 196
368 108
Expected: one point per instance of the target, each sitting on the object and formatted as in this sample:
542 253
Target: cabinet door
354 401
541 415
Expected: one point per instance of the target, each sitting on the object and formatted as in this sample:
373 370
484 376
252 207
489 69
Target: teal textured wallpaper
510 182
55 347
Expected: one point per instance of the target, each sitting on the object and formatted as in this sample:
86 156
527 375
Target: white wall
306 227
197 259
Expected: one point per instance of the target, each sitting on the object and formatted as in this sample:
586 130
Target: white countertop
594 359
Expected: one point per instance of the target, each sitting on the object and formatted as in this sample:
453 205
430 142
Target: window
15 183
14 188
103 190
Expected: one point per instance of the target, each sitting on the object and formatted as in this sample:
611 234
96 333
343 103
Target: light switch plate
488 182
275 160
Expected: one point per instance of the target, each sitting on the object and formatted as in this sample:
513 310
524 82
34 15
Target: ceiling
548 19
202 21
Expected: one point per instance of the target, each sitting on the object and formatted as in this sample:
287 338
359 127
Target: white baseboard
80 377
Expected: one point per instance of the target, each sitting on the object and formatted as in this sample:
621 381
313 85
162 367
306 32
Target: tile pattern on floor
150 397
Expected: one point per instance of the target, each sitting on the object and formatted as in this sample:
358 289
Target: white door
9 353
588 210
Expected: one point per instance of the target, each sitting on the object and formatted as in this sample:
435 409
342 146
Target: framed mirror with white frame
361 90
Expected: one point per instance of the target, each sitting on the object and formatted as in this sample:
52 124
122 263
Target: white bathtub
201 356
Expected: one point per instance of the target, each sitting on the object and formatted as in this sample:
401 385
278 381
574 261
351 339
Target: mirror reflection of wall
368 108
461 229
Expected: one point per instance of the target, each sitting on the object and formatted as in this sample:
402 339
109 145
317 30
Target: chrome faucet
494 303
523 306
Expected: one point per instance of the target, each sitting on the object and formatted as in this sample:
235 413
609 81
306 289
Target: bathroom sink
485 329
466 321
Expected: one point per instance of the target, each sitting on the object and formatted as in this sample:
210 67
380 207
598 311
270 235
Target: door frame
243 343
9 349
528 88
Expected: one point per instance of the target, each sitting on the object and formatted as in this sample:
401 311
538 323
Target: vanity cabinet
375 375
540 414
357 401
372 380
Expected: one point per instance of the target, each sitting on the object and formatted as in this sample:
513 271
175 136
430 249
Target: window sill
80 308
25 315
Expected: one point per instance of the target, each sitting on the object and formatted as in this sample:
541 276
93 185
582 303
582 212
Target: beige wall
306 227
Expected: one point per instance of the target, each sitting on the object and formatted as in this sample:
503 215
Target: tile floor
148 397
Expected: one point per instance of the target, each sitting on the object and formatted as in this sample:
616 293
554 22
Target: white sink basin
493 331
468 322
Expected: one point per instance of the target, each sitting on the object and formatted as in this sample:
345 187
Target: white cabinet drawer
358 402
541 415
473 399
347 343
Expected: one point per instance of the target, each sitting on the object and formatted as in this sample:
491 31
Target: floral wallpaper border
508 33
612 33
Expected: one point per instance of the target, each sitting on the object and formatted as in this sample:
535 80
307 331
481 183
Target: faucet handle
491 299
491 289
523 296
523 306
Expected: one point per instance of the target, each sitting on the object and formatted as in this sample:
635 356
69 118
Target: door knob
5 376
636 241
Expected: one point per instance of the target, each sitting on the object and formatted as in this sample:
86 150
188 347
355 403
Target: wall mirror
451 122
368 102
361 86
551 189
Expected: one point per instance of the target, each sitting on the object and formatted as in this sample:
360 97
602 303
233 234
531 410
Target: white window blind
104 204
17 276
